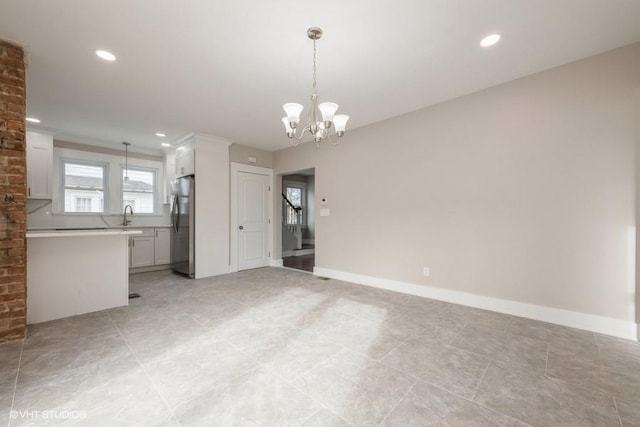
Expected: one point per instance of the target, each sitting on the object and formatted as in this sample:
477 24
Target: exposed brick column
13 207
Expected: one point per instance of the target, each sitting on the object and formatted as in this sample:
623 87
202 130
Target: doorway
298 220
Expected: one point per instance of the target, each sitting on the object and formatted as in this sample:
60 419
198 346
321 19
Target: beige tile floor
275 347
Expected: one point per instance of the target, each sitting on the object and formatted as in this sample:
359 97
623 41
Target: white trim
233 243
276 263
298 252
301 252
573 319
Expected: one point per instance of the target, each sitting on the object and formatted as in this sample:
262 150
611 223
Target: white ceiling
225 67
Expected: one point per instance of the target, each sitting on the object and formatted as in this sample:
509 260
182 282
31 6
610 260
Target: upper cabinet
39 165
185 159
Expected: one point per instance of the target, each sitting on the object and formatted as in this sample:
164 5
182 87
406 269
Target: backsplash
39 215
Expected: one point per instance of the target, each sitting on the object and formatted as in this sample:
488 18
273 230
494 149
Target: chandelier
319 129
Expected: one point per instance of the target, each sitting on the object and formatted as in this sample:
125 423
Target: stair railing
292 219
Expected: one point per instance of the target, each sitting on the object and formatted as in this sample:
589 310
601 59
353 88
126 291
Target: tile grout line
615 403
471 401
153 384
398 403
546 361
407 338
276 374
506 327
595 338
458 334
15 383
481 379
311 416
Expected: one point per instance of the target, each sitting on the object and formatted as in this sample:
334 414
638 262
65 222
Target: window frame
156 189
62 187
303 197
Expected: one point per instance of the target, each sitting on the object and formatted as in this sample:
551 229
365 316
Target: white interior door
252 220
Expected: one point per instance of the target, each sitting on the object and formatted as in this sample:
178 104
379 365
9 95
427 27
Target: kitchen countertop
106 227
81 233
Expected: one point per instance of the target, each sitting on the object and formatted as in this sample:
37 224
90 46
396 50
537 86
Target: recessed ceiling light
166 144
490 40
160 134
32 120
107 56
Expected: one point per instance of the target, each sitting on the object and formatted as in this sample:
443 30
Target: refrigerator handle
176 213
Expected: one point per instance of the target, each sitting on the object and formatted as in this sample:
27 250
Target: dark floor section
302 262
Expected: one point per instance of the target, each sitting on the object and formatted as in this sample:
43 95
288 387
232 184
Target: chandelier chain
314 67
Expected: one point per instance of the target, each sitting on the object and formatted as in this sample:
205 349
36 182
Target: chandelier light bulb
293 111
340 123
287 126
328 109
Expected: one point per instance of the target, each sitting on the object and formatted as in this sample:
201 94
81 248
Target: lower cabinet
149 248
162 246
142 249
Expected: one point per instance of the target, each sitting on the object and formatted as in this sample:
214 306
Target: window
83 185
130 202
83 204
139 190
295 193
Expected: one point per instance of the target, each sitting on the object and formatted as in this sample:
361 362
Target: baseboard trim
149 268
300 252
590 322
275 263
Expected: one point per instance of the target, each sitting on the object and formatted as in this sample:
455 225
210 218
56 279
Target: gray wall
239 154
525 191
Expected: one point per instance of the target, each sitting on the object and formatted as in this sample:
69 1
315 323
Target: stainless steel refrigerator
183 226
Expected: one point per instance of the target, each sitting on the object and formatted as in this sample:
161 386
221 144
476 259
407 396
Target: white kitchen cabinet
142 252
151 248
162 246
185 160
169 175
39 165
142 249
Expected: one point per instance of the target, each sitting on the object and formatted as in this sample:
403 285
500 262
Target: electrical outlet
426 271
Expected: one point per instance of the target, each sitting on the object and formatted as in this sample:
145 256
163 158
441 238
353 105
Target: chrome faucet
126 221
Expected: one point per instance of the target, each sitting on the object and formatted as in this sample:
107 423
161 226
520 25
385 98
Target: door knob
241 228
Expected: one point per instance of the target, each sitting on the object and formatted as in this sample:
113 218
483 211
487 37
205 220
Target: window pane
295 196
83 200
139 180
140 202
83 188
139 190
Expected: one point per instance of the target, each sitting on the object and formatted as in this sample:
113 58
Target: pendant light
322 116
126 161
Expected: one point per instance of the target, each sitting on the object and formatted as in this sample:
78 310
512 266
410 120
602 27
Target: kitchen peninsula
76 272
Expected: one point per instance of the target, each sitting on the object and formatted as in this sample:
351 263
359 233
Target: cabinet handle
28 191
156 233
133 243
